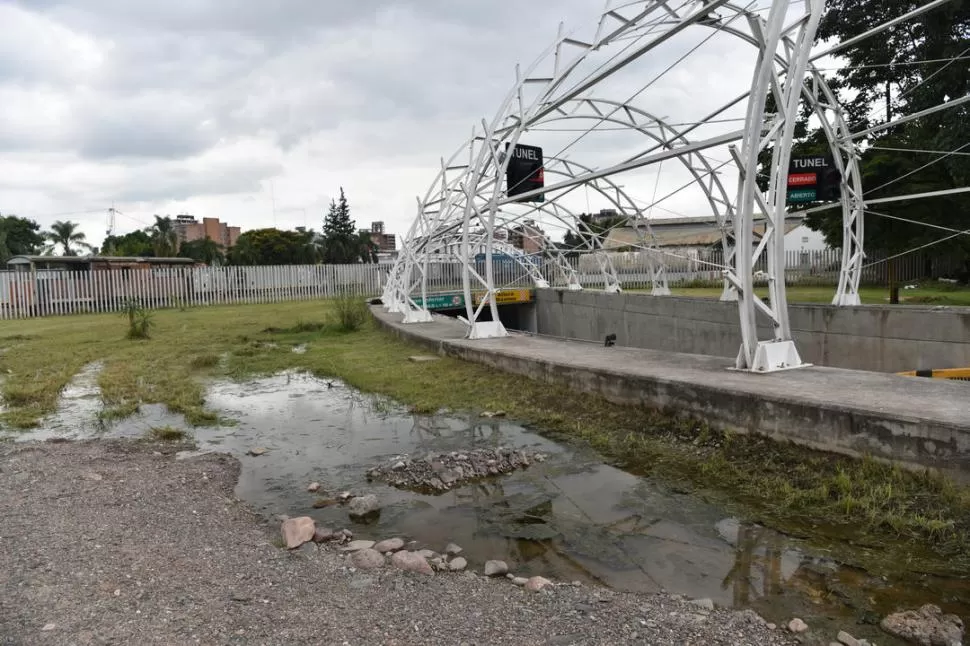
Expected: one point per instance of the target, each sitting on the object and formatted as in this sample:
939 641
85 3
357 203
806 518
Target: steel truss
458 216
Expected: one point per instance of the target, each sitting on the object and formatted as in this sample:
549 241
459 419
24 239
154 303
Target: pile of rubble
439 472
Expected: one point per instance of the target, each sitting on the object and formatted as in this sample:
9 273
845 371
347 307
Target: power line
912 172
902 63
915 249
925 224
917 150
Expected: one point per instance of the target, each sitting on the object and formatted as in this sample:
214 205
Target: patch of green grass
926 293
349 313
783 486
204 361
167 434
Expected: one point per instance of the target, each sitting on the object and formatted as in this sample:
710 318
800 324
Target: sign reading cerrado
813 179
525 172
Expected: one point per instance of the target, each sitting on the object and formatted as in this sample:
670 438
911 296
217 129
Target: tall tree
366 247
19 237
204 250
164 237
270 247
136 243
910 67
67 236
341 245
594 229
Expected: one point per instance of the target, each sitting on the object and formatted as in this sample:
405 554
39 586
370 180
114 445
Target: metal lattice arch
570 82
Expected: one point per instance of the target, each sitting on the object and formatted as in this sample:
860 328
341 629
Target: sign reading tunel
525 172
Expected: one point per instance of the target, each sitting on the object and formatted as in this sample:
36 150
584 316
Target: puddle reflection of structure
428 428
742 577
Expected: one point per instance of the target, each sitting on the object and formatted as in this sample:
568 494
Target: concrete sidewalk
915 421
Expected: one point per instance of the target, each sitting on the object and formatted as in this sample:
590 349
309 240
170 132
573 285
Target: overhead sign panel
525 172
813 179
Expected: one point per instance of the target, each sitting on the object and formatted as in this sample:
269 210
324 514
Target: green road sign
443 301
801 195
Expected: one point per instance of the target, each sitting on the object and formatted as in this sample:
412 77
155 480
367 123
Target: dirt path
112 542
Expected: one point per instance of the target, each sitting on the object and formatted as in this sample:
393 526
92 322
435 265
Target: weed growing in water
167 434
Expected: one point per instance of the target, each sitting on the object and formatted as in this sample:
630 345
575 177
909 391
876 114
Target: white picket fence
26 294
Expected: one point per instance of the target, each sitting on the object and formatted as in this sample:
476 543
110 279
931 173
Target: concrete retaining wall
871 337
915 422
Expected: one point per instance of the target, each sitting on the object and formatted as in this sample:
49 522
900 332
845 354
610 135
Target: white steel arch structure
468 202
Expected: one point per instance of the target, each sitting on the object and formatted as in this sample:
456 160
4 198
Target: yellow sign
506 296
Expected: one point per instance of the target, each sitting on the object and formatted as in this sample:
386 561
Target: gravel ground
113 542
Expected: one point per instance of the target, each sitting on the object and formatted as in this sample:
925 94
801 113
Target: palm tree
366 248
164 237
67 236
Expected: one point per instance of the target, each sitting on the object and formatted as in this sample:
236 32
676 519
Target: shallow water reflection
571 517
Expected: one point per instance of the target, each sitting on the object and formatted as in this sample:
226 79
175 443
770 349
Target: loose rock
796 625
495 568
313 487
846 639
355 546
389 545
519 580
706 604
927 626
537 583
428 554
297 531
452 550
322 534
363 505
258 450
411 562
367 559
457 564
438 472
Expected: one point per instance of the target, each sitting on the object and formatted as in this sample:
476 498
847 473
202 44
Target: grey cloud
396 83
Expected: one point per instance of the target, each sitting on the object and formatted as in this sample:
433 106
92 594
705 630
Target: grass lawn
923 519
924 294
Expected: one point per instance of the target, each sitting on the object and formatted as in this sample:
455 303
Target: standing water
570 517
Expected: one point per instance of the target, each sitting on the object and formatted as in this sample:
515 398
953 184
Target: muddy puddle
570 518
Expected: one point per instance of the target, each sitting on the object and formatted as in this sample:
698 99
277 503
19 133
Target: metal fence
821 268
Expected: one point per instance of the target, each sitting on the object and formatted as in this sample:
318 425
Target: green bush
349 312
140 320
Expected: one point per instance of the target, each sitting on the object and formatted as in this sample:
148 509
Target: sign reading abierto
813 179
442 301
525 172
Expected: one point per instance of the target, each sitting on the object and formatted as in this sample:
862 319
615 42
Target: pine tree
341 244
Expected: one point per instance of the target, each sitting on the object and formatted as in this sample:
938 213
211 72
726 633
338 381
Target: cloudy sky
223 107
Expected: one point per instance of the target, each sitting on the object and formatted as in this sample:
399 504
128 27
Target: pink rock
411 562
537 583
389 545
367 559
297 531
